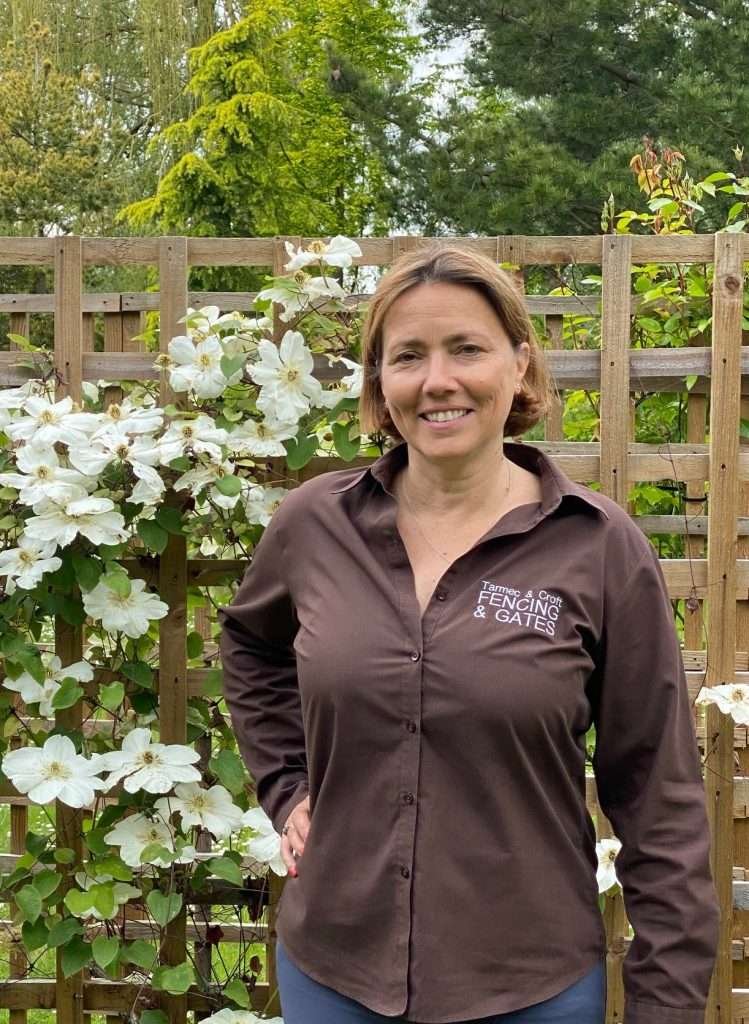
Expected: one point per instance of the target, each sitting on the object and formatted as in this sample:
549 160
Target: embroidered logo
532 609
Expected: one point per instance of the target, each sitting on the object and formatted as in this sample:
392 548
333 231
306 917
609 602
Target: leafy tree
278 141
559 94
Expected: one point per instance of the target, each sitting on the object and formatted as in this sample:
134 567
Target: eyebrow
455 336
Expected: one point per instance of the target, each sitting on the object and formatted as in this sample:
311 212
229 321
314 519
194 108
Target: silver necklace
415 518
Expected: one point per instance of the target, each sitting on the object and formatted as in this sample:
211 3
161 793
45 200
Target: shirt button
411 725
405 872
408 798
441 595
415 656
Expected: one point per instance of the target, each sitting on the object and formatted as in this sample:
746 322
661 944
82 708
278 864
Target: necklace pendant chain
447 559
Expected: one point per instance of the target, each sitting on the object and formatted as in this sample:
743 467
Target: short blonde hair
434 263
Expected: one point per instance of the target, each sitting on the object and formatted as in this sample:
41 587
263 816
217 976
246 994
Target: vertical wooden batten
68 340
172 685
725 397
614 400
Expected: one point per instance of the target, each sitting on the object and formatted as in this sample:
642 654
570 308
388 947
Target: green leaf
111 866
236 990
64 855
105 949
227 766
64 931
164 908
112 695
691 380
104 899
95 841
299 450
175 980
88 569
36 844
153 536
45 882
156 851
29 903
34 935
29 658
170 518
154 1017
78 903
228 485
68 694
141 953
345 447
230 364
75 955
139 672
195 644
744 428
118 583
224 868
213 683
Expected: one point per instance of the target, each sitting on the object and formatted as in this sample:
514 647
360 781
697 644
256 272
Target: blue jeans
305 1001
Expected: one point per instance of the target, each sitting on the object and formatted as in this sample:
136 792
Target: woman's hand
295 835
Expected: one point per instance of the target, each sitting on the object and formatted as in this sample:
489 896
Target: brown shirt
450 867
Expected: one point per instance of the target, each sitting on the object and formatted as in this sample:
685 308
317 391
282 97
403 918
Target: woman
412 662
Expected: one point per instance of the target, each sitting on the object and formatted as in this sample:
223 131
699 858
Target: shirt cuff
636 1012
285 809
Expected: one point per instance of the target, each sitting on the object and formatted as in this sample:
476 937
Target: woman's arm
260 678
650 787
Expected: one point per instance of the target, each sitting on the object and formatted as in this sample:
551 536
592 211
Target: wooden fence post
172 688
725 396
68 639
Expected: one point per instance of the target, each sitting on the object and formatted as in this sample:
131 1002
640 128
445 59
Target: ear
522 360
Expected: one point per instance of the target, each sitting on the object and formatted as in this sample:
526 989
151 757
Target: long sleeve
650 787
260 678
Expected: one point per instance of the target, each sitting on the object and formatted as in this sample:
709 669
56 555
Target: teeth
449 414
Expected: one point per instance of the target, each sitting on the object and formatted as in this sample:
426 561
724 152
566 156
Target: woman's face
445 351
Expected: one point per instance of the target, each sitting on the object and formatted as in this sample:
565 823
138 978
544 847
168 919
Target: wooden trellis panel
717 581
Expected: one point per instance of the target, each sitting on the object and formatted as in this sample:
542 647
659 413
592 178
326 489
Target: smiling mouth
445 416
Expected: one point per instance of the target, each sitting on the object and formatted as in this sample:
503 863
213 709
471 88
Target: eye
469 348
405 357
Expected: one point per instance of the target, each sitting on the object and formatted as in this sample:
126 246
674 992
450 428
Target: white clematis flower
130 418
41 476
197 367
198 436
32 692
53 772
47 422
261 439
25 565
731 698
94 518
607 850
130 615
348 387
154 767
338 252
262 502
266 846
134 833
299 291
204 476
285 377
212 808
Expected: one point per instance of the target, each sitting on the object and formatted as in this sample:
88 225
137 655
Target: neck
443 486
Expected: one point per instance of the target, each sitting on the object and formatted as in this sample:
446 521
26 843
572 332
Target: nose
439 374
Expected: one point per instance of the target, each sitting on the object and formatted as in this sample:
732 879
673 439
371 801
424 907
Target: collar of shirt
556 486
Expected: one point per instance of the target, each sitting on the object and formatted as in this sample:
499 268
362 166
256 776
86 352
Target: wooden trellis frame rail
718 575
